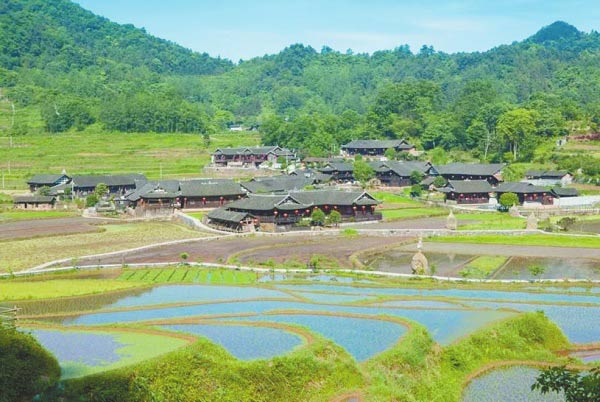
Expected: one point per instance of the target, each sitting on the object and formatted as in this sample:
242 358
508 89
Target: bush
317 217
91 200
26 368
507 200
439 181
416 190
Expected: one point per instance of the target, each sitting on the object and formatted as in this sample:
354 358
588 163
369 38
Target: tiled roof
47 179
210 188
225 215
546 174
467 186
565 192
519 188
87 181
34 199
476 169
378 144
277 184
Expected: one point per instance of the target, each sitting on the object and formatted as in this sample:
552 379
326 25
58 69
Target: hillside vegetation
66 69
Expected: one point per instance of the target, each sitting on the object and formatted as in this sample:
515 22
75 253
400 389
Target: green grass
186 274
197 215
16 215
36 290
96 151
20 254
482 267
394 200
409 213
524 240
491 221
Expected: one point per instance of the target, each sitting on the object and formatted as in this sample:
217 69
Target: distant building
548 177
47 180
468 191
375 147
250 156
117 184
273 212
37 202
389 173
492 172
527 193
564 192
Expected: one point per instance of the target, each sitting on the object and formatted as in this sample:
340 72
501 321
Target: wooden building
209 193
289 209
468 191
398 173
36 202
492 172
548 177
527 193
250 156
47 180
224 219
277 184
375 147
117 184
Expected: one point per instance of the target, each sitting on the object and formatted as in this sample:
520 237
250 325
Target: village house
277 184
548 177
492 172
468 191
527 193
376 148
564 192
339 171
272 212
117 184
209 193
47 180
36 202
250 156
398 173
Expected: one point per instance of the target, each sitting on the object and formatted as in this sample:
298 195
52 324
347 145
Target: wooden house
35 202
377 148
209 193
250 156
47 180
527 192
117 184
492 172
468 191
398 173
548 177
564 192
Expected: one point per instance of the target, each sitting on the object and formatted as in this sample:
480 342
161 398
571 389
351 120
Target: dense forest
78 69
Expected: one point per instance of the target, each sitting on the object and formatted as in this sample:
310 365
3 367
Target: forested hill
61 35
73 69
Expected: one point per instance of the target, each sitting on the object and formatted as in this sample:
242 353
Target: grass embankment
16 290
190 275
490 221
206 372
11 216
482 267
523 240
411 213
197 215
419 370
20 254
96 151
394 200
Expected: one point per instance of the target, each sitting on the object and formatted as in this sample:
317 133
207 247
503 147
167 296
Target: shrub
317 217
507 200
27 369
416 190
91 200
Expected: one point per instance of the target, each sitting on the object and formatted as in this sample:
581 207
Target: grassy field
94 151
186 274
197 215
20 254
14 215
524 240
16 290
394 200
409 213
481 267
491 221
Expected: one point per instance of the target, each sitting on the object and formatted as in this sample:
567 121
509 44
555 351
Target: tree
439 182
101 190
184 257
577 387
416 177
516 128
317 217
335 218
416 190
27 368
566 222
390 154
91 200
44 190
507 200
362 172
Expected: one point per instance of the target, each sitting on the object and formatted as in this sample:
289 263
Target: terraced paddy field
388 337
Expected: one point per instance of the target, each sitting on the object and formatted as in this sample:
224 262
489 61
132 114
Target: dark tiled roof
210 188
378 144
224 215
46 179
277 184
337 167
256 202
467 186
546 174
86 181
476 169
34 199
402 169
253 151
519 188
565 192
334 197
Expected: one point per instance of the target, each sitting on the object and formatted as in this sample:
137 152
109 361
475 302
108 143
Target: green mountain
70 69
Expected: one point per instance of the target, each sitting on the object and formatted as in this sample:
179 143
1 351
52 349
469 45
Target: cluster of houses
286 200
